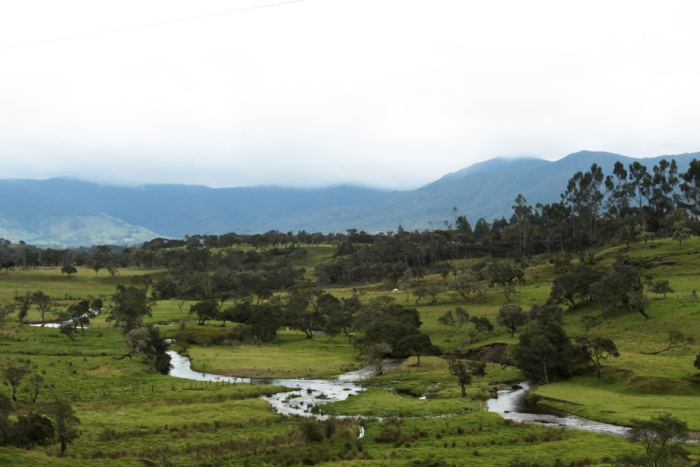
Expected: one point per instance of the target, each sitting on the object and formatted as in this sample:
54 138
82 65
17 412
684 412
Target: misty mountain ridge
69 212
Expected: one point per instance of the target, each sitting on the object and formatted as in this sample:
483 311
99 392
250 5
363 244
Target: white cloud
393 93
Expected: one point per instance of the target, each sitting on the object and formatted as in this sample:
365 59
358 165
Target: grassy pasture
129 413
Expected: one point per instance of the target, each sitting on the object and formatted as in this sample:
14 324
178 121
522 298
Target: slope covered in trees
41 211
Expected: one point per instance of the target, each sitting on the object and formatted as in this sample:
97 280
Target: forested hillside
70 212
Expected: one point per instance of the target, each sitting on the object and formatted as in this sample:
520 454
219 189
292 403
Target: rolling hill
71 212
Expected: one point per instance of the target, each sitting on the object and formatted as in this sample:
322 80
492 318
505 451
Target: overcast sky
390 93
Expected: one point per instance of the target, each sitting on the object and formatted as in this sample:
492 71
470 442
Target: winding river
511 404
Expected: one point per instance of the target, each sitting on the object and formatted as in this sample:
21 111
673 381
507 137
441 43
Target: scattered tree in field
68 329
205 310
661 287
24 302
676 339
64 423
147 343
300 312
511 316
477 369
467 283
456 320
131 305
79 315
460 370
545 353
31 430
376 353
503 274
681 232
68 270
44 305
360 345
697 362
100 259
662 438
13 375
479 325
405 284
6 309
385 322
590 322
545 313
639 302
597 349
341 318
36 382
431 291
416 345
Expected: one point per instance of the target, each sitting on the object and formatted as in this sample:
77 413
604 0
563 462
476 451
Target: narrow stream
90 314
511 404
307 393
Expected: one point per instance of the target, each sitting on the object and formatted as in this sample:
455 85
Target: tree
131 305
32 430
478 369
36 382
467 283
6 310
545 353
662 287
597 349
205 310
503 274
79 314
68 270
545 313
416 344
681 232
432 291
459 318
100 258
676 339
341 319
44 305
638 301
68 329
147 343
480 324
13 375
662 438
405 284
512 317
590 322
460 370
24 303
376 353
64 423
697 362
298 314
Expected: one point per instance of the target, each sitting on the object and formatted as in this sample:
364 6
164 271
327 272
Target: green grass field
129 413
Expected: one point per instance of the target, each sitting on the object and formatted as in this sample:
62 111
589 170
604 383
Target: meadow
131 416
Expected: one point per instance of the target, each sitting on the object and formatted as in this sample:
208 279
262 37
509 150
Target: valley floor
130 416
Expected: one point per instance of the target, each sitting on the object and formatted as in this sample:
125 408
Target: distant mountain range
70 212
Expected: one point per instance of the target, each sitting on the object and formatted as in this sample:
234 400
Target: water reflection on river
511 404
307 393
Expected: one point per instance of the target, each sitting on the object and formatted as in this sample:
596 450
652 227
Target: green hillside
157 419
